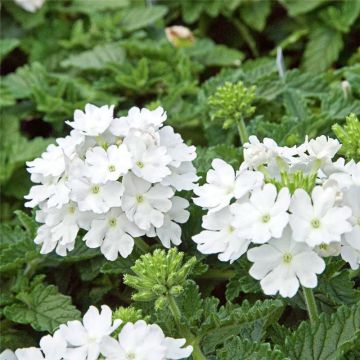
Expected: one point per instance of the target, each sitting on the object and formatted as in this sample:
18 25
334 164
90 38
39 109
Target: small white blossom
141 341
83 338
94 121
104 165
221 237
322 148
283 264
182 177
317 220
264 215
257 153
30 5
8 354
351 254
113 233
51 348
326 250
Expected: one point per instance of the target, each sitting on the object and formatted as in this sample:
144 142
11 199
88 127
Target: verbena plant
212 212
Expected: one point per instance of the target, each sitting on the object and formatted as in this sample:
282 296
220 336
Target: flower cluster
116 178
30 5
292 206
88 339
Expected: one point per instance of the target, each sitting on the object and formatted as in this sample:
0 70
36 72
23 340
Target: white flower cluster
91 338
296 203
115 178
30 5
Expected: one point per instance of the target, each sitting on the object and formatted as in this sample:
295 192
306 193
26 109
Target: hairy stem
310 304
244 137
183 331
142 245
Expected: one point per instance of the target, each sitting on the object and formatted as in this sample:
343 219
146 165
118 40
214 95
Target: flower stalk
310 304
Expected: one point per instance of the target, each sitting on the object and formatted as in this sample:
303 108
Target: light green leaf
6 46
328 338
323 48
97 58
136 17
255 13
297 7
44 308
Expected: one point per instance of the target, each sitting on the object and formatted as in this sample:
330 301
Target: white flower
140 341
351 254
8 354
264 215
145 204
170 231
113 234
51 348
322 148
30 5
98 198
94 121
150 162
83 338
282 264
182 177
352 200
317 220
70 143
51 162
257 153
223 185
176 148
325 250
221 237
139 120
104 165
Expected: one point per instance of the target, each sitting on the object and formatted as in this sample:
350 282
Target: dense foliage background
70 53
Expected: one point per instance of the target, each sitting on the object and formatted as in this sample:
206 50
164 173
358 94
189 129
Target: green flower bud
176 290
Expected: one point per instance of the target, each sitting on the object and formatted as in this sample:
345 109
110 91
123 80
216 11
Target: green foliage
349 136
328 338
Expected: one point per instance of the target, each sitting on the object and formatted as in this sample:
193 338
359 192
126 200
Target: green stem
183 331
247 37
310 304
142 245
244 137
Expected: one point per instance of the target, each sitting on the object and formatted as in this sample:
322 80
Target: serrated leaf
249 321
254 14
297 7
237 348
326 339
97 58
44 308
136 17
28 222
318 54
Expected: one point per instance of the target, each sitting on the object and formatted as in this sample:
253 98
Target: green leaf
43 307
255 13
6 46
249 321
328 338
136 17
237 348
319 55
90 6
97 58
297 7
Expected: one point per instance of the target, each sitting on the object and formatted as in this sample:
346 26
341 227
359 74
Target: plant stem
310 304
183 331
142 245
244 137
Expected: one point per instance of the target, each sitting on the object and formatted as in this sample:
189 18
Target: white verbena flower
182 177
113 233
108 165
322 148
351 254
318 220
145 204
140 341
30 5
94 121
223 185
264 215
257 153
220 236
283 264
83 338
8 354
51 348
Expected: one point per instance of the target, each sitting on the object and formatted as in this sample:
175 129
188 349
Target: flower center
130 356
112 168
139 198
287 257
265 218
230 229
95 189
323 246
71 209
358 221
139 164
112 222
315 223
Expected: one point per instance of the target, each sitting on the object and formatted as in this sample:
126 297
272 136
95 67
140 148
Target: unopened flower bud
179 36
